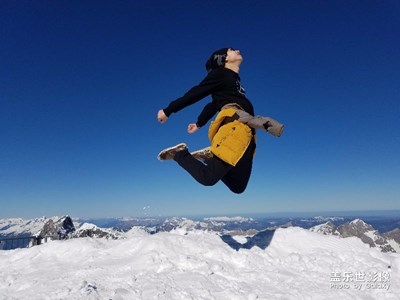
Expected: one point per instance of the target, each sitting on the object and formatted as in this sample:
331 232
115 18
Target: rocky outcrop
393 234
327 228
91 230
61 228
358 228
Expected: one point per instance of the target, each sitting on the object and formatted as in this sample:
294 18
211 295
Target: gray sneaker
169 153
202 154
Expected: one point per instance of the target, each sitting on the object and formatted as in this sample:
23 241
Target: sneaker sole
170 148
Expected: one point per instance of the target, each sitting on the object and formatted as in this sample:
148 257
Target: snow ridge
197 264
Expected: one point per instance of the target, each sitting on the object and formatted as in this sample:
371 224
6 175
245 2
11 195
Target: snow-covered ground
297 264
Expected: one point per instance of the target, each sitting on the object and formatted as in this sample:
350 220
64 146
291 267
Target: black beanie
217 59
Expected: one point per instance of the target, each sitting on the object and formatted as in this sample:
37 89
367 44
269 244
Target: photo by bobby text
360 280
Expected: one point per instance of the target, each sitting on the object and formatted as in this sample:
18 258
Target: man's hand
192 128
161 116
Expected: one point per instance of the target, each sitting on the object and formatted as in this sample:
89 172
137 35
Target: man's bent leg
207 174
238 177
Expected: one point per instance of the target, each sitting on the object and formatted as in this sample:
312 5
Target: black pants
214 169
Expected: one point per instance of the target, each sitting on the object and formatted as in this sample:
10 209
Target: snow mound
296 264
136 231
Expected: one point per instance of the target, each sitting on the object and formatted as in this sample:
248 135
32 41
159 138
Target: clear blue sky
81 83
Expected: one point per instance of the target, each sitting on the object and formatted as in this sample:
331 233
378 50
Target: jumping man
232 133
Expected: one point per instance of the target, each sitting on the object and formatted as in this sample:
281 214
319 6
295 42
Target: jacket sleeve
195 94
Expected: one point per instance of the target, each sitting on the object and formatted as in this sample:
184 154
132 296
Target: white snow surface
181 264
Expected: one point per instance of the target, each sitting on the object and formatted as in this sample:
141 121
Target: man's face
233 55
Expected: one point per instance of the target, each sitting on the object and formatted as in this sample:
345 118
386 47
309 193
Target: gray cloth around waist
256 122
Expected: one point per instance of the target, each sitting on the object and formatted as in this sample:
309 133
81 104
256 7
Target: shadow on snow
261 240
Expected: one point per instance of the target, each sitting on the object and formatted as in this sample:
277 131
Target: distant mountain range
66 227
387 242
33 232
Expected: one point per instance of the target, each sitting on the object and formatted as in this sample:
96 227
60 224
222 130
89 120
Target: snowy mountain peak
355 227
358 228
327 228
57 226
34 227
358 222
91 230
88 226
182 223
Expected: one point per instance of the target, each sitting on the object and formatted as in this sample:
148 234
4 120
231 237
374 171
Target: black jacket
224 87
